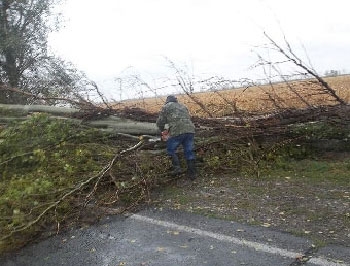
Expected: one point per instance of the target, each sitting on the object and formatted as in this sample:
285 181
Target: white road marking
255 245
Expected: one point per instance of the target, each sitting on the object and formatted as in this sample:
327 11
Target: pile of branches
55 173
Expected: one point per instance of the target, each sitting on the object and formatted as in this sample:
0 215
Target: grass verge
309 197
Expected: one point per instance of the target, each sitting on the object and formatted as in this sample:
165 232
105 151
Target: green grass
312 170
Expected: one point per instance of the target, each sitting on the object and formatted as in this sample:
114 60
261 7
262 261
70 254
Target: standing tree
24 61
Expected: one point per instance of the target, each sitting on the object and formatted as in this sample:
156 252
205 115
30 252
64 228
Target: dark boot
176 166
191 169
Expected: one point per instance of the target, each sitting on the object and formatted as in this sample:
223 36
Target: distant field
259 99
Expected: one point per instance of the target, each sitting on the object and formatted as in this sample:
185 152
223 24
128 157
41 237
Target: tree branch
298 62
55 204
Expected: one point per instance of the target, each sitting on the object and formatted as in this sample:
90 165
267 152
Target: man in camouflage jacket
181 130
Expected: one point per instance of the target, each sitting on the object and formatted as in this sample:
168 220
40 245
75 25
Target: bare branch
298 62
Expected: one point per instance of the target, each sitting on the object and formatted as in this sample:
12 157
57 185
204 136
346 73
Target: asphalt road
163 238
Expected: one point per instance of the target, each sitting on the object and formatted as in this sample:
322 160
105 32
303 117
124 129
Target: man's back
176 115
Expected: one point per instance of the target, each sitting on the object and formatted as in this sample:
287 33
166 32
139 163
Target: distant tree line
333 73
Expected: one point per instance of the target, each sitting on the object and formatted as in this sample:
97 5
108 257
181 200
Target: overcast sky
107 38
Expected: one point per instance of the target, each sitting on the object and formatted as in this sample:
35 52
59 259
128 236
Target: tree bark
39 108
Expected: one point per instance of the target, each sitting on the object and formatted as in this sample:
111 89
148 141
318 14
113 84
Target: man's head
171 99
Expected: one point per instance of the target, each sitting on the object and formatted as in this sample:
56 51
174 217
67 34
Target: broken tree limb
77 188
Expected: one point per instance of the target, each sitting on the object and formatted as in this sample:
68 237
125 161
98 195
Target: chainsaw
164 137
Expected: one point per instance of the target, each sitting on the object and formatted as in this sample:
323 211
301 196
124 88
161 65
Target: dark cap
171 99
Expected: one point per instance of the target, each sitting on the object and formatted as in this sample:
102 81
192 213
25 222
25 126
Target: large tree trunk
111 123
25 109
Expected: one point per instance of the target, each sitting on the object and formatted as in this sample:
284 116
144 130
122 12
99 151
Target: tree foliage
50 169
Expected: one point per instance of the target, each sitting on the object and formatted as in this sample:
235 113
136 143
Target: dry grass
258 99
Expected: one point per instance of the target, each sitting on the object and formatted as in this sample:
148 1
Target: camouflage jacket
177 117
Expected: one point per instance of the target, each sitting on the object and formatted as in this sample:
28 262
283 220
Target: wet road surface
170 238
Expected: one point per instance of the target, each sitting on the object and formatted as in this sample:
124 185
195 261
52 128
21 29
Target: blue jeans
187 142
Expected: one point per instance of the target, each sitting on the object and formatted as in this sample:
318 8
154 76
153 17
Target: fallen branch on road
79 187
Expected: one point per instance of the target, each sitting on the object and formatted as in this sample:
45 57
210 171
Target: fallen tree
54 166
51 169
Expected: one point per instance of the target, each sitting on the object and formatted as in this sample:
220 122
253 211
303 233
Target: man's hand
165 135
